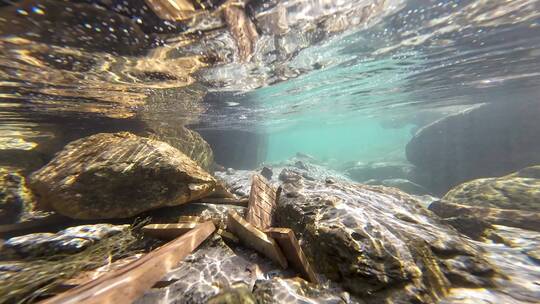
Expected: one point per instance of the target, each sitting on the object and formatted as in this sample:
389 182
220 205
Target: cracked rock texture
118 175
379 243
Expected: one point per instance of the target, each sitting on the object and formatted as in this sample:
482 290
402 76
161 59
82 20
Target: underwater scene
270 151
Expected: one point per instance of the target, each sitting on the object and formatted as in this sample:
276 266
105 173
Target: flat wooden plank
226 201
189 219
168 231
255 238
262 203
293 252
128 283
90 275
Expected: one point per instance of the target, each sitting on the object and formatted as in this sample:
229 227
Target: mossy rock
377 242
118 175
15 198
520 190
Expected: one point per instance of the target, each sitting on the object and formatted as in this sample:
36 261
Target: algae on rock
519 190
118 175
15 198
379 243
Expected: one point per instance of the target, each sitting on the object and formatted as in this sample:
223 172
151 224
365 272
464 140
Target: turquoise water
348 140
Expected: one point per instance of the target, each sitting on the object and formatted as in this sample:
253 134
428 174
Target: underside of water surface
403 136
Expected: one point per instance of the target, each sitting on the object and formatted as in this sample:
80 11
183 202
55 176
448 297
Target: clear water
345 92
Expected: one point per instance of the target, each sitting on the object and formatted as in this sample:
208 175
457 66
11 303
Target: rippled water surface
344 83
400 63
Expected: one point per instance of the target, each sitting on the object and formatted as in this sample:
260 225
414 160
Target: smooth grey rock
402 184
70 240
378 171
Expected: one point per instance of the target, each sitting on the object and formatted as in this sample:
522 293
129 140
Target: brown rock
518 191
188 142
13 195
511 218
117 176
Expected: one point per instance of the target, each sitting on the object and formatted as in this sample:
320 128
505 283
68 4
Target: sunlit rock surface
218 272
512 254
217 213
206 271
379 243
239 181
490 140
520 190
70 240
296 291
15 198
188 142
239 294
401 184
117 176
472 221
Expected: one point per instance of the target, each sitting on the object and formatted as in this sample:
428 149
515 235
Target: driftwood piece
293 252
131 281
168 231
226 201
262 203
255 238
90 275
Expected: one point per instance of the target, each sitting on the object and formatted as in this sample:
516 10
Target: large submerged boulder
67 241
188 142
379 243
118 175
489 140
520 190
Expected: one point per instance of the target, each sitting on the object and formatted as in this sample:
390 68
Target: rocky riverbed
367 243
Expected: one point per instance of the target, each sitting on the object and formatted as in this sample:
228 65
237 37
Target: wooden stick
255 239
168 231
130 282
293 252
226 201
